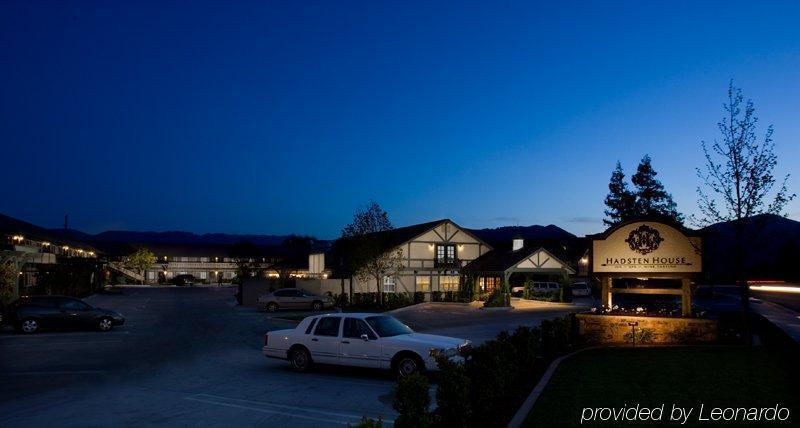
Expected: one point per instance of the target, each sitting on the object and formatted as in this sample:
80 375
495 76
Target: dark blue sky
284 117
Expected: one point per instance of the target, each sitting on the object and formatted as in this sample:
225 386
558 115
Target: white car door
325 341
354 350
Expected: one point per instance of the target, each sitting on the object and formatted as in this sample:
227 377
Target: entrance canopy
523 260
644 250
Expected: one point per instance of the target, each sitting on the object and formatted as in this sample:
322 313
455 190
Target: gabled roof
395 237
502 260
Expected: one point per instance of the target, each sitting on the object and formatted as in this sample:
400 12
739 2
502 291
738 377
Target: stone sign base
617 329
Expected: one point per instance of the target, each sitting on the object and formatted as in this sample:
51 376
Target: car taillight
266 339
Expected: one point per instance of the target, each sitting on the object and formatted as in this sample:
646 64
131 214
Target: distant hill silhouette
132 237
774 250
773 253
502 236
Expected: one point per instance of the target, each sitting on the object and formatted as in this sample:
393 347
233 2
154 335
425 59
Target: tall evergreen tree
620 200
651 198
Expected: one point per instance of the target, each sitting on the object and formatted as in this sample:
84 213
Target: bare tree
737 182
371 255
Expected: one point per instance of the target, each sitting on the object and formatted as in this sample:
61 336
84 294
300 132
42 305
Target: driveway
190 357
185 357
479 325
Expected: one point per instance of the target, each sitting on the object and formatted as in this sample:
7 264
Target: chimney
518 243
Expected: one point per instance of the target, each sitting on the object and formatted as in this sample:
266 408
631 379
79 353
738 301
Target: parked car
581 289
546 287
361 340
539 287
184 279
293 298
32 313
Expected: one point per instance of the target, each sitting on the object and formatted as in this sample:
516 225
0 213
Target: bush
436 296
565 294
502 372
341 300
419 297
643 335
480 297
453 395
497 299
411 401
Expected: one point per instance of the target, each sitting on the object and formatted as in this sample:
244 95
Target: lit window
446 253
448 283
424 283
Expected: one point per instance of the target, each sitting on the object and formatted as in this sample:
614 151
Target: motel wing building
433 255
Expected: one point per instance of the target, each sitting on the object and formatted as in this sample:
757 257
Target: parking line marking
45 344
251 405
74 372
47 336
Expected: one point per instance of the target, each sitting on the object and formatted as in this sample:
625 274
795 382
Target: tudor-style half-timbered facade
433 255
515 266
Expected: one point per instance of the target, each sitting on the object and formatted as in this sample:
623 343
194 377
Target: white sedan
363 340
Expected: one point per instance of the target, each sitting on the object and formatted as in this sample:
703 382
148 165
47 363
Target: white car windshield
387 326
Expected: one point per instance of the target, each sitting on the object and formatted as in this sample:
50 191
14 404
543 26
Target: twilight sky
278 117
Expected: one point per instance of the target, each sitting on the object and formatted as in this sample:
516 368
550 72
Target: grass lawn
715 377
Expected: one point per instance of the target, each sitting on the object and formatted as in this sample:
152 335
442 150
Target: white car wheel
300 360
407 365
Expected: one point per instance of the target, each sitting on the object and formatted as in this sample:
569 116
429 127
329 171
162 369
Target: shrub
436 296
497 299
480 297
643 335
565 294
453 395
419 296
528 293
341 300
411 401
469 289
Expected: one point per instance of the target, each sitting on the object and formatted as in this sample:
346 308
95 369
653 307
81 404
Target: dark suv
31 313
184 279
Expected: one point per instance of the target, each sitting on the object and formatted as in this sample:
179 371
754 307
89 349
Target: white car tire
300 359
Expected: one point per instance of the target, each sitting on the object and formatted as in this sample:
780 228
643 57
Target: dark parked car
31 313
184 279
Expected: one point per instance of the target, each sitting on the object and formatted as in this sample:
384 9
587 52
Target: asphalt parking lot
188 357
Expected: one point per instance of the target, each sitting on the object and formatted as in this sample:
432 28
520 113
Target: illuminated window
489 284
424 283
448 283
446 253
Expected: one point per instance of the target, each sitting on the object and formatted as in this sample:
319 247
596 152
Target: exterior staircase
130 273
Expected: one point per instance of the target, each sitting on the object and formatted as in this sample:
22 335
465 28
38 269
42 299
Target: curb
522 413
497 308
423 304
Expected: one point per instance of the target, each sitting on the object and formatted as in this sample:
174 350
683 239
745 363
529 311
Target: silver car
293 298
581 289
